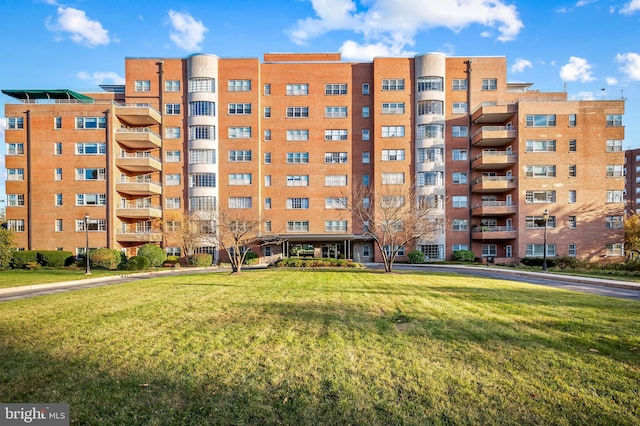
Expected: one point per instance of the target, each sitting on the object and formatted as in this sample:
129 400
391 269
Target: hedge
105 258
137 263
154 253
55 258
201 259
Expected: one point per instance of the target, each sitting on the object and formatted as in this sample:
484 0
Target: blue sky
590 48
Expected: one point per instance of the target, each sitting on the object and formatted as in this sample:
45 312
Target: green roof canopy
59 94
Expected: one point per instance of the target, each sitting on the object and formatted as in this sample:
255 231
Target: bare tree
393 217
190 230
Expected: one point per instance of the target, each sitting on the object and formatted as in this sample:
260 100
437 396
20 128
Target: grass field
348 347
22 277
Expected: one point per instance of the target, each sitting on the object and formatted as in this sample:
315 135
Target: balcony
138 138
485 233
138 162
494 160
494 136
138 186
492 184
135 211
493 112
493 208
138 115
139 237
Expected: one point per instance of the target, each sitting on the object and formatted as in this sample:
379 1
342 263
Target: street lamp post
545 219
87 268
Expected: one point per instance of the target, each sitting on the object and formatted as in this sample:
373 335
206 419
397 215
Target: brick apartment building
632 175
290 135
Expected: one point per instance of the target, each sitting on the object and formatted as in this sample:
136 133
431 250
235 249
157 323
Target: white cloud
582 96
395 23
578 69
520 65
81 29
353 51
188 33
98 78
629 8
630 64
612 81
584 2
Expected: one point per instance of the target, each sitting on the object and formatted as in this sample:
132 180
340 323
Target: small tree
6 246
632 235
191 229
154 253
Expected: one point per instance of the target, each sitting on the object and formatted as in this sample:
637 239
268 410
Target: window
572 120
572 196
15 200
537 250
393 178
541 146
172 179
91 199
15 123
202 85
202 132
614 170
58 200
172 156
99 225
615 196
335 226
430 107
614 145
298 180
459 177
173 202
267 180
430 83
91 123
459 108
297 89
433 131
199 108
489 84
299 135
541 120
572 250
298 226
365 112
239 156
366 89
393 155
239 85
334 135
540 171
172 86
297 157
15 149
392 131
335 89
435 202
172 132
460 155
335 180
393 84
460 224
614 120
430 178
459 201
202 180
335 157
614 222
572 222
243 179
173 251
266 136
393 107
266 89
572 170
459 84
91 174
540 196
297 112
534 222
202 203
91 148
335 203
366 134
57 123
239 109
267 158
366 158
432 251
15 225
15 174
365 180
57 174
57 148
459 131
142 86
458 247
172 109
297 203
335 112
267 112
573 145
58 225
267 203
615 249
239 132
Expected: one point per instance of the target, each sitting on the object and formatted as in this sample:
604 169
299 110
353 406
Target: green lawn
348 347
23 277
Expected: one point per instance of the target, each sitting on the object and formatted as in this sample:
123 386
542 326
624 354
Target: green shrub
154 253
172 260
201 259
137 263
105 258
315 263
6 246
464 256
55 258
416 256
250 258
24 257
537 261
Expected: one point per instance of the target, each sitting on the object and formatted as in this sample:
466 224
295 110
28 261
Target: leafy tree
632 235
6 246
